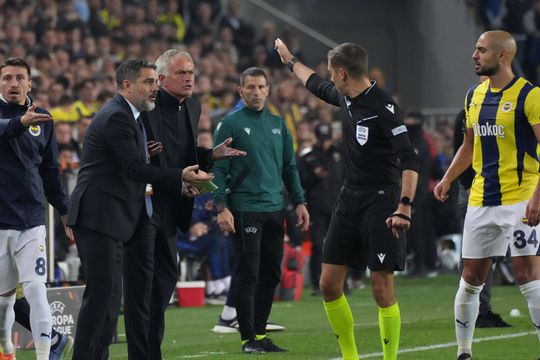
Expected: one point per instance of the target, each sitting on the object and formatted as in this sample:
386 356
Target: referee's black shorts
358 235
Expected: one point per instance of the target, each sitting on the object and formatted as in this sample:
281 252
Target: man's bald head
501 40
494 53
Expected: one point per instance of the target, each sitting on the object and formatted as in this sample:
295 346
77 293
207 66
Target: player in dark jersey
372 213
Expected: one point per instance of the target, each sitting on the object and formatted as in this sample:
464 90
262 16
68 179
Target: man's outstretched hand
223 151
31 117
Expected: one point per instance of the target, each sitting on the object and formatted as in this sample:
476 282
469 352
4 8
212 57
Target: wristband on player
403 216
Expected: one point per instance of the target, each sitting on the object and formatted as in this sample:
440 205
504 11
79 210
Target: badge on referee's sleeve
362 133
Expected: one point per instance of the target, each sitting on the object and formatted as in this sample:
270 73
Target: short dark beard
488 71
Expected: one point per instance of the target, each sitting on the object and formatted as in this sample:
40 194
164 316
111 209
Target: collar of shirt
169 102
134 110
254 113
349 100
27 102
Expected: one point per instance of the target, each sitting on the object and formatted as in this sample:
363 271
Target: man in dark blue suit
109 212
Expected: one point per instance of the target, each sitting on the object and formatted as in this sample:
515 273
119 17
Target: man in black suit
173 127
109 212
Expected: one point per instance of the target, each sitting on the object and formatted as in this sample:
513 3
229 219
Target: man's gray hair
164 60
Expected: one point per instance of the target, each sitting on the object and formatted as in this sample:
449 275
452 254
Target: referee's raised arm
302 71
323 89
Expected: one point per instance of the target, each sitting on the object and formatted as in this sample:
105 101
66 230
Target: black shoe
499 322
252 347
268 345
464 356
490 320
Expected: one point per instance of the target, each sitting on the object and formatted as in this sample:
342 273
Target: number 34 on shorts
527 237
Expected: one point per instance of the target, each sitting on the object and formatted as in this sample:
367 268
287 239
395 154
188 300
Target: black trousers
258 250
105 262
421 236
318 228
162 238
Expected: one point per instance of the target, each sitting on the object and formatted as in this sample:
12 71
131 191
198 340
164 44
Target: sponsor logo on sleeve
399 130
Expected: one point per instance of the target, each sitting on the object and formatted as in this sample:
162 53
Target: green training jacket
268 165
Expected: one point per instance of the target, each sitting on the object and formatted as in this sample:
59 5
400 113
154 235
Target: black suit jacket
109 195
153 123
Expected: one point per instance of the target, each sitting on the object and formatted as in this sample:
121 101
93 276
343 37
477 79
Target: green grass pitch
427 328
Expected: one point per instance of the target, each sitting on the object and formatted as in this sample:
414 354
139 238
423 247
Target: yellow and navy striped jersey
505 147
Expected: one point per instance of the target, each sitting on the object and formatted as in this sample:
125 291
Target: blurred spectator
205 240
244 33
201 22
63 132
490 13
447 210
171 16
112 14
321 174
81 127
68 17
378 76
421 239
64 135
62 112
282 103
68 167
225 44
214 5
305 137
268 36
531 22
103 97
293 40
513 23
86 105
56 90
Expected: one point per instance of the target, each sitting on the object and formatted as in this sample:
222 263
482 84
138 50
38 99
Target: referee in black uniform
371 214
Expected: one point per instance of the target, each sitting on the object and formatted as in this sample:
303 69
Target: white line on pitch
202 354
445 345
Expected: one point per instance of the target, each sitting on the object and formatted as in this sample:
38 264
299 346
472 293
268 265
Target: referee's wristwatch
291 63
406 201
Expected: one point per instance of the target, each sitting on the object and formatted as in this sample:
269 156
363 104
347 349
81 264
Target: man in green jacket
251 204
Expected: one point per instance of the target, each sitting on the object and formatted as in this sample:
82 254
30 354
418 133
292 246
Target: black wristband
403 216
291 63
